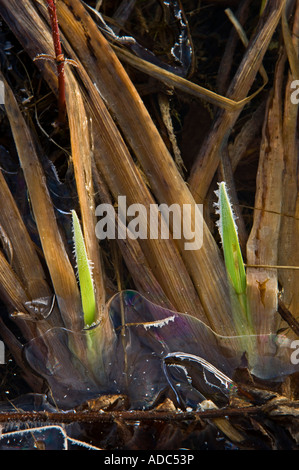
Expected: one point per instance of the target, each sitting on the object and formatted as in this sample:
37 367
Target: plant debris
151 103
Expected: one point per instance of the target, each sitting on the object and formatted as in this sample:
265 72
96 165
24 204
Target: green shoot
230 242
84 274
233 258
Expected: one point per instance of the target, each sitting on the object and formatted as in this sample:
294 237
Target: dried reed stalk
262 245
248 133
13 293
100 70
223 76
11 289
143 277
289 240
24 259
116 164
81 142
123 178
60 62
205 265
25 279
60 268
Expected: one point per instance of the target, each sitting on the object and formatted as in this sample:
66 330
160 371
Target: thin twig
110 416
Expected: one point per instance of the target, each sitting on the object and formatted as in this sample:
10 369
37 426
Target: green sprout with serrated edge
233 257
84 274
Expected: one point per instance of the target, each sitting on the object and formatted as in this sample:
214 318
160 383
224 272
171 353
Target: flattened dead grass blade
262 245
60 268
110 153
205 265
139 268
25 261
10 286
82 154
123 178
289 240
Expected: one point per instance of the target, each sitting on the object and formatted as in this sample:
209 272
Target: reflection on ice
51 437
206 378
149 351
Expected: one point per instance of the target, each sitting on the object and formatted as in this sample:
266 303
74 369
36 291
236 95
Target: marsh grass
115 147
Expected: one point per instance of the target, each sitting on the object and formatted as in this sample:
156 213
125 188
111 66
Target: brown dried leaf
262 245
60 268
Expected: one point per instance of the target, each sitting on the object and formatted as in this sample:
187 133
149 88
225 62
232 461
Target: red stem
59 61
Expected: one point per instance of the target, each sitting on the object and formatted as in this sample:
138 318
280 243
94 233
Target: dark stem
288 317
59 57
